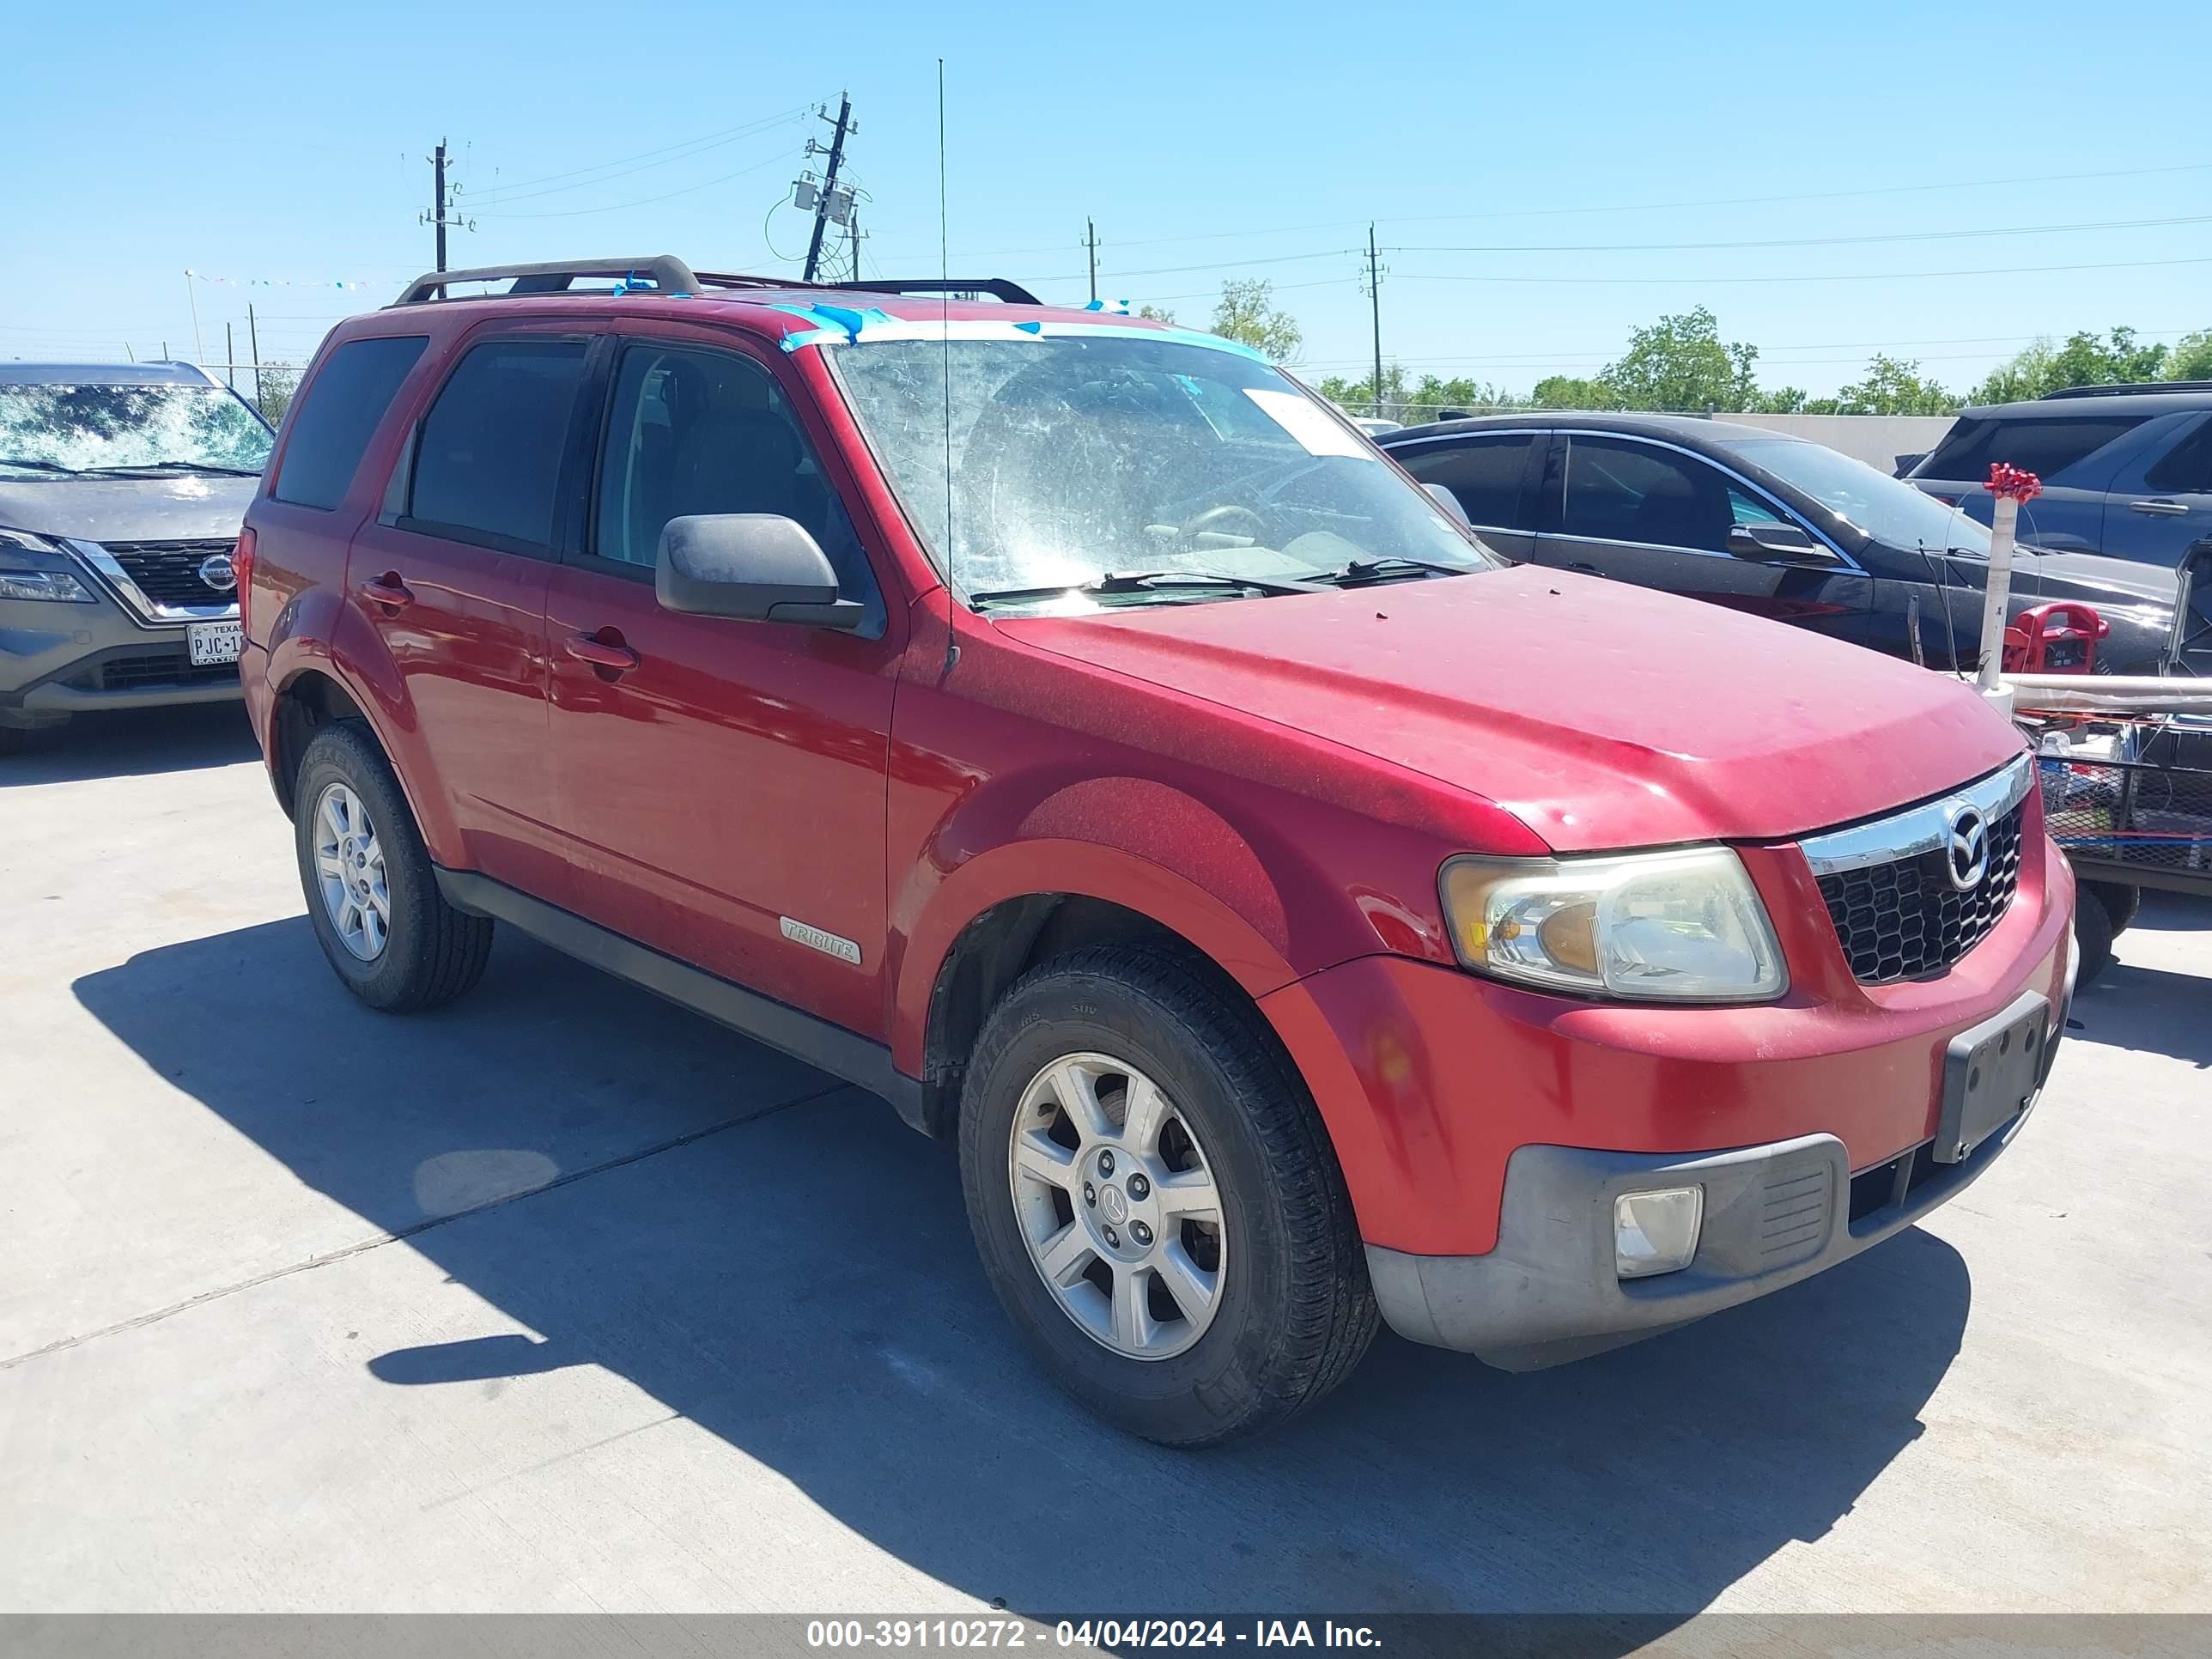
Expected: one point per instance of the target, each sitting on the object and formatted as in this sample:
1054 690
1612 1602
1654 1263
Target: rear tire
372 892
1285 1310
2093 935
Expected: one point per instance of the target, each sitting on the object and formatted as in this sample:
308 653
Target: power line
1814 277
616 207
522 190
1815 242
1624 207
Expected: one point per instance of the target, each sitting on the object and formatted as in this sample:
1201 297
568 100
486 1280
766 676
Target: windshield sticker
1307 421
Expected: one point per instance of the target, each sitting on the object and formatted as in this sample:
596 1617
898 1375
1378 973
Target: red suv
1067 728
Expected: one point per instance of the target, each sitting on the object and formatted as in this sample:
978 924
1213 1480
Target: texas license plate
1990 1072
210 643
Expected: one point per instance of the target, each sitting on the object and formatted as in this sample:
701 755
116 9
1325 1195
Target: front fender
1240 943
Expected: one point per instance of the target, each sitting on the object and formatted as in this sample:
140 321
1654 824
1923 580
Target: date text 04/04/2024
1109 1633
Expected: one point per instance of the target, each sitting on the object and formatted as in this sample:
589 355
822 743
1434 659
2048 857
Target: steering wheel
1227 519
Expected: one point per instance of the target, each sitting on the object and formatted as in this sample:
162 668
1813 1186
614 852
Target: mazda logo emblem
1967 856
218 572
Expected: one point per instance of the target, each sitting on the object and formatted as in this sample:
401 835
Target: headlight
24 581
43 584
1685 925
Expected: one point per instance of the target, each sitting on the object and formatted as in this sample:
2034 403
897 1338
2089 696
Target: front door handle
1587 569
387 590
2159 509
614 658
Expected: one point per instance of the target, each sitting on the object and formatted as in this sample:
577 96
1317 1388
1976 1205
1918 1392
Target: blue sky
290 142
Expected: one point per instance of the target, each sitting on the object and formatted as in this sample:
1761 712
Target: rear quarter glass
2044 445
338 413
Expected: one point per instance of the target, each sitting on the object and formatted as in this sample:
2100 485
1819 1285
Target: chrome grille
1889 889
169 573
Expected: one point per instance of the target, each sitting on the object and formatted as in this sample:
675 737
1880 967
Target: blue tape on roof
871 325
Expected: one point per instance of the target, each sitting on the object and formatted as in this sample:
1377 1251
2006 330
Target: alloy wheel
350 872
1117 1203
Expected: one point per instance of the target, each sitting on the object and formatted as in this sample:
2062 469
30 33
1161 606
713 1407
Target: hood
1601 715
187 507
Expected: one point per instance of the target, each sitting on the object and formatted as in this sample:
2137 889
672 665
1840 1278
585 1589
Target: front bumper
1774 1214
56 660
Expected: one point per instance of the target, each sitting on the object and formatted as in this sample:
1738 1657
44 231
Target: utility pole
821 204
1090 242
253 344
442 213
1375 297
230 358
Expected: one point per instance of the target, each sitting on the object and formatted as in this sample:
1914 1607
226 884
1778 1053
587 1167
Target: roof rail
998 287
2127 390
669 275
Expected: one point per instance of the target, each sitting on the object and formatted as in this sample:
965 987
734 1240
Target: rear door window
2046 446
339 413
1487 474
2185 469
1620 490
487 458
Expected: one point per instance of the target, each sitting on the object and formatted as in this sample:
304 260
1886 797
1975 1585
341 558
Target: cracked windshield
1109 470
56 429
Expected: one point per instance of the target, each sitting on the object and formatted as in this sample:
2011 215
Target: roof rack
2129 390
997 287
670 276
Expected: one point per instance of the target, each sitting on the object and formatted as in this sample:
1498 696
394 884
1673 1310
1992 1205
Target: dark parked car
122 488
1762 522
2126 469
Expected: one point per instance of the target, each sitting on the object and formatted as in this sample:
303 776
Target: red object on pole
2006 479
2057 638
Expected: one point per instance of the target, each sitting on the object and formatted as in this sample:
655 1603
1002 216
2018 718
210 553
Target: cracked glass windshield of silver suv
58 429
1082 471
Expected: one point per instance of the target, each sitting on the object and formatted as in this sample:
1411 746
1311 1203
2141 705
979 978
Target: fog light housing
1657 1232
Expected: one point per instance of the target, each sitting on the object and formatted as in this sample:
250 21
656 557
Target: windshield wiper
1367 569
35 467
1146 581
181 466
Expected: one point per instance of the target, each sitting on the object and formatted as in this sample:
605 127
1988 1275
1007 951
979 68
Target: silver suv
122 488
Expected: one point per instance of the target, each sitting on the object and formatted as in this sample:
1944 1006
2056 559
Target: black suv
2126 469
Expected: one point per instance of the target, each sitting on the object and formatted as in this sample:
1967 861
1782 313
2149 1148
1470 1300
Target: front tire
372 892
2093 935
1156 1201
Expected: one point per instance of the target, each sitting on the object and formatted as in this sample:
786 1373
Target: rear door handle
387 589
1587 569
597 652
2159 509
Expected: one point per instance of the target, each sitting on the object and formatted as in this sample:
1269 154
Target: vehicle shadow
134 743
802 1286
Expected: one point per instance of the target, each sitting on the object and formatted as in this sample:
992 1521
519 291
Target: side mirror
1774 541
1450 502
750 567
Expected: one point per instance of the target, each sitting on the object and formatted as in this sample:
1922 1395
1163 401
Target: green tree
2192 357
1892 386
1156 313
2086 359
278 382
1681 362
1567 391
1246 313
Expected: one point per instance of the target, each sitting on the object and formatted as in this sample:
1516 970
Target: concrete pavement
561 1298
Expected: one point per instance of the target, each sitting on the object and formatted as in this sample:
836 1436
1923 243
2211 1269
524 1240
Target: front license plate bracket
1990 1073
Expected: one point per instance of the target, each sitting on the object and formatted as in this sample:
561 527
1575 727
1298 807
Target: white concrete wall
1877 440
